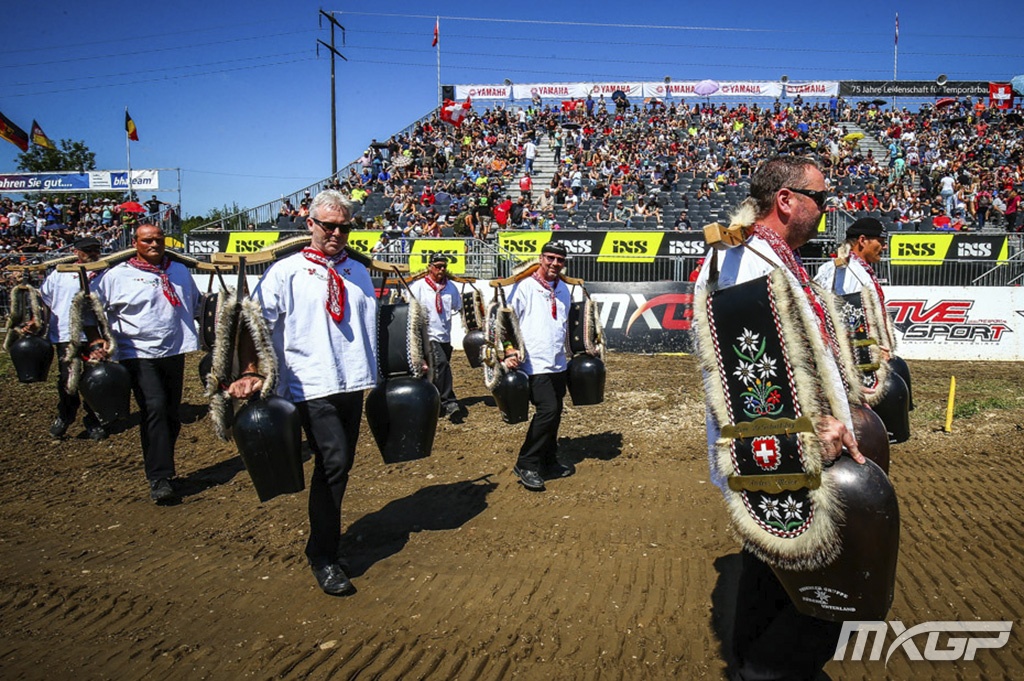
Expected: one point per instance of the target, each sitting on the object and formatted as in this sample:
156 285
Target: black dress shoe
531 480
333 580
58 428
163 493
559 470
97 433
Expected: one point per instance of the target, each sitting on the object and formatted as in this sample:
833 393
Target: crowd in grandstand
53 223
668 165
956 166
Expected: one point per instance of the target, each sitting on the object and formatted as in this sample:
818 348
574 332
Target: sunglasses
329 227
554 258
439 266
819 197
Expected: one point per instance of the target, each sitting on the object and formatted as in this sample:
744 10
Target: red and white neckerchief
550 288
160 271
335 284
878 289
871 273
789 259
437 288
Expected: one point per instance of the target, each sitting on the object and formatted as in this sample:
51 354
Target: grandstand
675 164
657 169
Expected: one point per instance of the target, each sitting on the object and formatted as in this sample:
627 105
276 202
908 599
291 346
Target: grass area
968 408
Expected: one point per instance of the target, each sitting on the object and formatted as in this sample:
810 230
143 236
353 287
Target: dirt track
624 571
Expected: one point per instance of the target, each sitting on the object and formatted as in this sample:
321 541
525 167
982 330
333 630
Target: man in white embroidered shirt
321 310
541 302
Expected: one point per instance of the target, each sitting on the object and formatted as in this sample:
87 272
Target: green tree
69 156
226 217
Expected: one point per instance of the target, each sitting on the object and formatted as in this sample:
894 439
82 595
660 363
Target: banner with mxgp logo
645 317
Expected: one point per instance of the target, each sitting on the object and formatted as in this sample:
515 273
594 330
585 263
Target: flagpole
128 153
437 26
895 56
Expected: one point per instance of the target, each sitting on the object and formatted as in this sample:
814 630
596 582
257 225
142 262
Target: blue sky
233 92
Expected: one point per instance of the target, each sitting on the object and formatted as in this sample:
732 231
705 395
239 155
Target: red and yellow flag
12 133
129 127
39 137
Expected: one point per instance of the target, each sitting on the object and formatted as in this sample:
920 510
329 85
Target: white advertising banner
958 323
820 88
637 91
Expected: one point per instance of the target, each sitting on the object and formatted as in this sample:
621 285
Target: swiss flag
1000 94
436 22
453 112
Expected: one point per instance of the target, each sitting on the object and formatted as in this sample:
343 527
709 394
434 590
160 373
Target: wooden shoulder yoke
122 256
287 247
40 266
528 272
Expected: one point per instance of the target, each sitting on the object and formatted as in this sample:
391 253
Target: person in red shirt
427 197
526 186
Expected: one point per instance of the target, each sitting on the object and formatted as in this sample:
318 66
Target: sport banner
611 246
645 317
956 258
958 323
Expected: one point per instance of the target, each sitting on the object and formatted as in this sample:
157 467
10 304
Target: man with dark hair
771 639
864 245
58 292
151 305
541 302
441 300
320 307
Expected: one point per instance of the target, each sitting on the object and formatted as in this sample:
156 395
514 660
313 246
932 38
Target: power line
155 36
149 81
152 71
263 177
687 46
725 29
149 51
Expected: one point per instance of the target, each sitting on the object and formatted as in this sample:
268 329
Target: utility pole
334 107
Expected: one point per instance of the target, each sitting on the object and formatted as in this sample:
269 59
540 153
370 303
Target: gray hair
331 198
774 174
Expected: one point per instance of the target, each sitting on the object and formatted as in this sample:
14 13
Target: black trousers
547 393
771 640
157 385
68 403
332 429
443 372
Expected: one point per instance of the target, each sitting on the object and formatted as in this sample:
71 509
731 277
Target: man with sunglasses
322 313
58 290
541 302
771 639
441 299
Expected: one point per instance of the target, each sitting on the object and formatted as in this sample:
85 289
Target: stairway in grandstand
544 168
869 143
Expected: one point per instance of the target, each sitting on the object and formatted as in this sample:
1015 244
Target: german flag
39 137
12 133
129 127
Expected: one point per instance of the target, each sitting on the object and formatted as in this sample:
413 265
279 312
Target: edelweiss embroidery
761 397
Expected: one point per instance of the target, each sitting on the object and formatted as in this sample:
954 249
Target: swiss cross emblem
766 452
